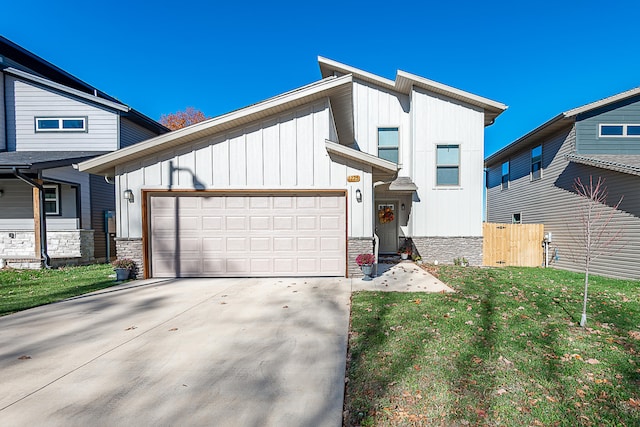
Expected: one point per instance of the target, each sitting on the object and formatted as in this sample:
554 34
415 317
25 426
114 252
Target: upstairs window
61 124
388 144
505 175
51 199
448 165
619 130
536 163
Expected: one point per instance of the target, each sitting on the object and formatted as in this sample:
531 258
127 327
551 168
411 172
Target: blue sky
540 58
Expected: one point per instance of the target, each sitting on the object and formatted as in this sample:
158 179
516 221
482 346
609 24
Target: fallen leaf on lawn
635 335
417 367
25 357
505 361
580 393
447 315
501 391
476 360
469 322
521 308
634 402
592 361
418 301
551 399
601 381
130 328
369 310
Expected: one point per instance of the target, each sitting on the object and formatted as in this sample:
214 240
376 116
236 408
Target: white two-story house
49 120
300 184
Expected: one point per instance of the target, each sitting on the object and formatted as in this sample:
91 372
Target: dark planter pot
122 274
367 269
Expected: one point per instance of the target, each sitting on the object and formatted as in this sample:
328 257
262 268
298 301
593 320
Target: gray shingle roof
35 160
625 163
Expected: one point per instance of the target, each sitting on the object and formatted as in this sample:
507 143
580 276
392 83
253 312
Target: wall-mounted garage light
358 196
128 195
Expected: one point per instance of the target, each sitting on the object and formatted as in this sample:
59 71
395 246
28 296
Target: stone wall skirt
446 249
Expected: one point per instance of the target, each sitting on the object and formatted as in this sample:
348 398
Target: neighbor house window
536 162
388 144
52 199
505 175
61 124
516 218
619 130
448 165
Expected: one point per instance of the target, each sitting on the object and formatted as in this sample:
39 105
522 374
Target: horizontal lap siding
26 101
3 136
132 133
552 201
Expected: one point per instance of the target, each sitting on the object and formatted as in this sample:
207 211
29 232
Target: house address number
353 178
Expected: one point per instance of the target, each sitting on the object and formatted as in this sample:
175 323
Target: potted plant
123 268
365 262
405 252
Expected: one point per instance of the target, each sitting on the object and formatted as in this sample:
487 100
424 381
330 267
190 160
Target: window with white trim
612 130
505 175
516 218
388 142
61 124
536 163
51 199
448 165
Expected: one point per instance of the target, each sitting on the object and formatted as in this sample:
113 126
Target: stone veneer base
131 248
445 249
356 246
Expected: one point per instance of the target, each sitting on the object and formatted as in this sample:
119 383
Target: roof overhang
405 82
629 164
41 160
348 153
332 88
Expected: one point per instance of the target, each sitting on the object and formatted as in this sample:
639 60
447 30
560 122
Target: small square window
633 130
51 199
516 218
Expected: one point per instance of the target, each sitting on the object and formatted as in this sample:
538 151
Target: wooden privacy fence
512 244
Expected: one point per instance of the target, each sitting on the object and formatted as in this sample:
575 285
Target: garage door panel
240 236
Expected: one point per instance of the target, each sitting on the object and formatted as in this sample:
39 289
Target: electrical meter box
110 222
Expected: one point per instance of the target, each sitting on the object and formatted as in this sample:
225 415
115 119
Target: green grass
23 289
505 349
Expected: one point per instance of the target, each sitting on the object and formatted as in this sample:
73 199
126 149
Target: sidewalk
405 276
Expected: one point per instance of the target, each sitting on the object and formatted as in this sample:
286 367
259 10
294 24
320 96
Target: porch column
39 223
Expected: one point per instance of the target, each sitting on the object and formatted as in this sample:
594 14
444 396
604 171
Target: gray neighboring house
49 121
531 180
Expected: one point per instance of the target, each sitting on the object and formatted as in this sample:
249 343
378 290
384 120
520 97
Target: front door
387 226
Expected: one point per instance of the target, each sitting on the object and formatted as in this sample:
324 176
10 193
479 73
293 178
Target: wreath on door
385 215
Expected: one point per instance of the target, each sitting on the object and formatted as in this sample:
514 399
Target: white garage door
247 235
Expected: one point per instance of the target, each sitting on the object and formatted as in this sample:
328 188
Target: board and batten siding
587 129
552 201
132 133
375 107
285 152
446 211
25 101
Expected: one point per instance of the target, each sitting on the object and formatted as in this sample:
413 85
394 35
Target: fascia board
369 159
62 88
106 163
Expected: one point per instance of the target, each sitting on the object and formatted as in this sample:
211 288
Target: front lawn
506 349
23 289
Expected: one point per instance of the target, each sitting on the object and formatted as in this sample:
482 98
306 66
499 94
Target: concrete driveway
237 352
